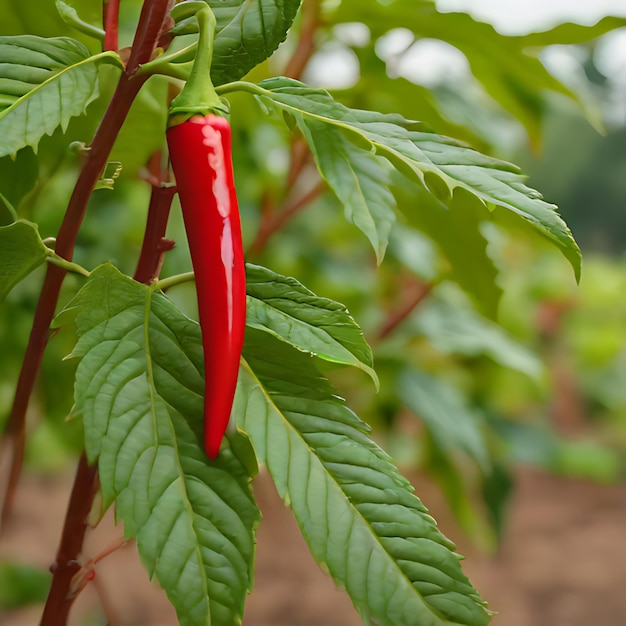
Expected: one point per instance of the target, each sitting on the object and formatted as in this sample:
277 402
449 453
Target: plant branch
418 292
275 221
300 156
96 160
67 566
155 244
152 24
111 10
306 43
127 89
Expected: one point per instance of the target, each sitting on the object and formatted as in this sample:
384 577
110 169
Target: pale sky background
522 16
427 61
519 16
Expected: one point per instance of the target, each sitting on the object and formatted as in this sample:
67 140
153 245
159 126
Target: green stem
68 266
198 96
176 64
70 16
172 281
241 85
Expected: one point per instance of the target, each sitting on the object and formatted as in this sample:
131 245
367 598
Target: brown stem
111 11
300 156
275 221
395 318
66 566
306 43
155 245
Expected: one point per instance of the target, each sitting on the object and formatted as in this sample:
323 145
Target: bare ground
562 563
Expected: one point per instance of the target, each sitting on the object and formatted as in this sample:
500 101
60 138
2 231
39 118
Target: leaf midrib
357 514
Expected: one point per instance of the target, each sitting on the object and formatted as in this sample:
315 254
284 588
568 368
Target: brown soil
562 563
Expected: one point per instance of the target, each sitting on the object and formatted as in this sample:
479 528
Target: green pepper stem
198 96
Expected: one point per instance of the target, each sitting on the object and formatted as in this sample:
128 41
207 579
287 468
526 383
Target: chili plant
86 100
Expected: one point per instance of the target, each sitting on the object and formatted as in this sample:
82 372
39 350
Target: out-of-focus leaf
455 228
34 18
539 445
455 329
444 412
451 477
8 215
497 488
570 34
21 585
587 459
143 132
507 67
21 252
414 250
18 175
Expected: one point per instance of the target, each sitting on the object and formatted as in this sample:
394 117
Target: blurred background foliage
489 354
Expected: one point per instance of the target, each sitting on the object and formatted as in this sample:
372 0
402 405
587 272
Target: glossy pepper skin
200 153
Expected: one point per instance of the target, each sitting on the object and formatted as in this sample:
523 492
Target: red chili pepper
200 152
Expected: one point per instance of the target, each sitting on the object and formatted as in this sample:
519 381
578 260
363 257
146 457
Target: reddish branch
111 11
150 30
417 292
60 598
306 43
272 222
300 156
155 244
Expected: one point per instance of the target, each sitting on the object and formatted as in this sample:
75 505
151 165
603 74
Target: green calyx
198 96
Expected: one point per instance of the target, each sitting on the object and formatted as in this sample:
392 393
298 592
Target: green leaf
21 585
43 84
8 214
139 388
359 179
508 67
70 15
40 18
439 163
572 34
21 252
456 229
452 479
360 518
18 175
456 329
247 34
142 132
287 310
441 407
414 250
497 489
